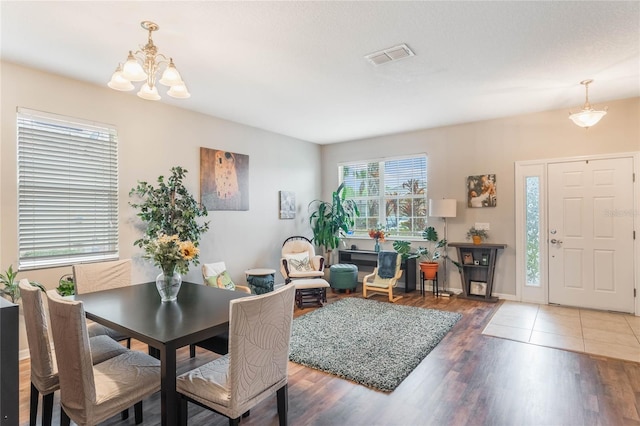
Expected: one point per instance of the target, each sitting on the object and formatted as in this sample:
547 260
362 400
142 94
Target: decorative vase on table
168 283
376 248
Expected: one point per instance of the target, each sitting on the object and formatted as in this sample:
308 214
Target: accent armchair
384 277
299 260
216 275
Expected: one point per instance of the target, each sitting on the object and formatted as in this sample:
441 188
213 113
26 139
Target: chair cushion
380 282
209 382
306 274
298 262
222 280
309 283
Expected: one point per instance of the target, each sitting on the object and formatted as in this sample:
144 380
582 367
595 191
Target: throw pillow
222 280
298 262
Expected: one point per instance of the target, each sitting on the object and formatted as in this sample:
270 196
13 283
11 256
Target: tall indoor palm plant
330 221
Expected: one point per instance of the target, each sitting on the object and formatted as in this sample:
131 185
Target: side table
260 280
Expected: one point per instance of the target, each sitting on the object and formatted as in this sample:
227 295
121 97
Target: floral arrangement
170 253
378 233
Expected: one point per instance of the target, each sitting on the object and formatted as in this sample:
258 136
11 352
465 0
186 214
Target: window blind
391 192
67 190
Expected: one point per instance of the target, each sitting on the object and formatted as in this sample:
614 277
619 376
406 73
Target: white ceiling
297 68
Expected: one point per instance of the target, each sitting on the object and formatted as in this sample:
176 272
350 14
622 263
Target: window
67 190
532 239
392 192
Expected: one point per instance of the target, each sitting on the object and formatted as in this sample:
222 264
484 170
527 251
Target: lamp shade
445 207
587 118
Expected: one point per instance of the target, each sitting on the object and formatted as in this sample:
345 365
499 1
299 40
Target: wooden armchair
374 283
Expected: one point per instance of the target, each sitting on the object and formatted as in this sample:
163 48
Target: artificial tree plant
169 209
330 221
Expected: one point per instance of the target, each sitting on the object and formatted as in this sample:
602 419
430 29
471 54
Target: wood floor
468 379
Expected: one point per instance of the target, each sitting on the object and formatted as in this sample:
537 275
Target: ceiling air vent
391 54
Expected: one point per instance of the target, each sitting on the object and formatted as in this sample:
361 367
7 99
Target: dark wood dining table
200 312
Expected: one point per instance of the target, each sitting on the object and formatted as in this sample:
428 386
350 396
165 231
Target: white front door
590 234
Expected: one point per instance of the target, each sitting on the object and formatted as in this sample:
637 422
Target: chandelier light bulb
145 65
132 70
118 82
179 91
171 76
588 116
149 93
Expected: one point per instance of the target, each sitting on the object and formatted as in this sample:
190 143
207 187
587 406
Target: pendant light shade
588 116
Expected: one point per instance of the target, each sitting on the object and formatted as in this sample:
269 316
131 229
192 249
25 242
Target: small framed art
467 258
478 288
287 205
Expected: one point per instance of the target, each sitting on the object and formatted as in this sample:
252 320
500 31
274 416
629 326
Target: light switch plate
482 225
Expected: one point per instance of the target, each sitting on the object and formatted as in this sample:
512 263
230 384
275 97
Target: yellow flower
188 250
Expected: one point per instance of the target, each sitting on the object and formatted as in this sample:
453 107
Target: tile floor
579 330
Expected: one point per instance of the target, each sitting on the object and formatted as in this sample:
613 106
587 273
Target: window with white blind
67 190
391 192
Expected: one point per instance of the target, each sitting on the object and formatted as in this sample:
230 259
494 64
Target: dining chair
384 277
256 365
90 394
215 275
44 369
90 277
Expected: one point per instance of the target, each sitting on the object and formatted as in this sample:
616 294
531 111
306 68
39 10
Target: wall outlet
482 225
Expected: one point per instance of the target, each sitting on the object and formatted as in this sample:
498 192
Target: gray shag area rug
376 344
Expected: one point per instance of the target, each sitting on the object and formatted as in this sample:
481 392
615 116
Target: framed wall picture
481 191
478 288
287 205
467 258
224 180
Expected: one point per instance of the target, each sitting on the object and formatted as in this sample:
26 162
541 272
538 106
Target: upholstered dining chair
44 370
90 277
216 275
257 362
384 277
299 259
90 394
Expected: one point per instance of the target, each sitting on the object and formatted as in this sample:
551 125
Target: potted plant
330 221
66 286
431 253
10 284
169 210
477 235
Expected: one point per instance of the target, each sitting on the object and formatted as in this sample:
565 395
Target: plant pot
429 269
476 239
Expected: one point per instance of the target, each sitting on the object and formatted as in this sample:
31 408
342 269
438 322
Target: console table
8 363
478 266
369 259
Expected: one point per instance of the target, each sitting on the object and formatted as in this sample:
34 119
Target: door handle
554 241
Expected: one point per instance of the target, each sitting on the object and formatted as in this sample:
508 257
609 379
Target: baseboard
23 354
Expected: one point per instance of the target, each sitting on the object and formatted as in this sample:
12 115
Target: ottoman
344 276
310 292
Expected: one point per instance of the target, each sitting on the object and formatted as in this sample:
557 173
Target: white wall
153 137
493 146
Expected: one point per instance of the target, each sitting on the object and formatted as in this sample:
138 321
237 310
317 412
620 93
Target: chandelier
588 116
144 65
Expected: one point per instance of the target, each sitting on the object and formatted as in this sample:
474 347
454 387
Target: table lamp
443 208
